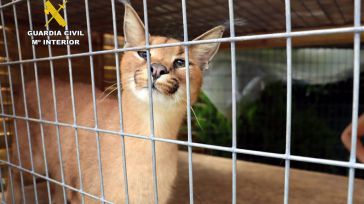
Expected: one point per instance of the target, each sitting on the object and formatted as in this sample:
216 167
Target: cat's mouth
162 88
166 86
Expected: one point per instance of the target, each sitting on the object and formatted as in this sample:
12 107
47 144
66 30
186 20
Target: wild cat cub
169 95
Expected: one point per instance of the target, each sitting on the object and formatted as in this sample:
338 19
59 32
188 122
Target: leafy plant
319 114
209 126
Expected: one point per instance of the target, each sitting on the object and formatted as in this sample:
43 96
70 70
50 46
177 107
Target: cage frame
351 164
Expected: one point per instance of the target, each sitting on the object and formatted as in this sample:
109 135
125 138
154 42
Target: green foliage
262 126
209 126
312 136
319 114
261 123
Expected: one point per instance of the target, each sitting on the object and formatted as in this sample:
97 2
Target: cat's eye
178 63
142 54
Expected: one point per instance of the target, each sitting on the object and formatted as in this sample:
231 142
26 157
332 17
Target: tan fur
169 98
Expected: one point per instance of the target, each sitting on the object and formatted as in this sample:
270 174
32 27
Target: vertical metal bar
233 98
24 101
289 101
118 83
188 92
39 104
2 110
94 100
356 85
154 163
59 145
12 103
2 185
7 147
74 110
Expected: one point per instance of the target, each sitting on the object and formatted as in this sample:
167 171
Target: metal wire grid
287 156
202 16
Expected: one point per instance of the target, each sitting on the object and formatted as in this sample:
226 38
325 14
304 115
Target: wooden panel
109 59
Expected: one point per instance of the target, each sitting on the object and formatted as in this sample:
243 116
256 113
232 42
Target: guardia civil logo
58 34
50 9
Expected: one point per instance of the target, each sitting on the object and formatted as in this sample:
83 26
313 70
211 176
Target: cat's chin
158 97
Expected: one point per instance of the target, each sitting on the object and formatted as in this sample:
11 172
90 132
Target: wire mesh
352 164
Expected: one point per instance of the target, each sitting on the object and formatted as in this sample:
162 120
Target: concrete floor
256 184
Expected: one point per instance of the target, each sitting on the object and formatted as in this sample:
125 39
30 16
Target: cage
265 129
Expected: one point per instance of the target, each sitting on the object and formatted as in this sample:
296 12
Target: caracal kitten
169 97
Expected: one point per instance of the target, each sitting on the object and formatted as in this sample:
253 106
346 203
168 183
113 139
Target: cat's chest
165 125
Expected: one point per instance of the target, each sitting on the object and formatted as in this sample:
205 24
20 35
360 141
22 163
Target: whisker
193 111
103 98
198 121
105 94
107 88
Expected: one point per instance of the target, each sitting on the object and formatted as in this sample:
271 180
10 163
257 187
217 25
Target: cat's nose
158 70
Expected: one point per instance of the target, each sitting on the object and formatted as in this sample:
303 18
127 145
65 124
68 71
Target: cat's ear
134 31
205 52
